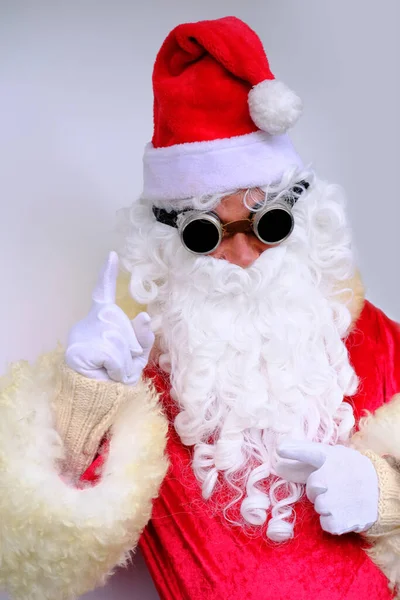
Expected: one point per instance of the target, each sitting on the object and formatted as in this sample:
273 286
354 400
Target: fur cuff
58 542
379 437
380 432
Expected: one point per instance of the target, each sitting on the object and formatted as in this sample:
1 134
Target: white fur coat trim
58 542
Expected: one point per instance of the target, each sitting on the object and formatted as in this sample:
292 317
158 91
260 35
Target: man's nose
241 249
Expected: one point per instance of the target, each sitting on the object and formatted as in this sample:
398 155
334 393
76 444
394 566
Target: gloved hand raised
106 345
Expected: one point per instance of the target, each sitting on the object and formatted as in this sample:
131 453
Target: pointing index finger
310 453
106 286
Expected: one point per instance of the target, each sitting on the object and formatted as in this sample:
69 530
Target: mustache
218 277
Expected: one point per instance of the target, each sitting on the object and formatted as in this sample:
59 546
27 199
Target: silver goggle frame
183 220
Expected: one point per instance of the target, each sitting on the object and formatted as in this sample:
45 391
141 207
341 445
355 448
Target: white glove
106 344
341 483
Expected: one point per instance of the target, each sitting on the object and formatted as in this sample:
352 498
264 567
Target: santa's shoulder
372 321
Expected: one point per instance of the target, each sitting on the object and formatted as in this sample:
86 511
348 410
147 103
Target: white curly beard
254 355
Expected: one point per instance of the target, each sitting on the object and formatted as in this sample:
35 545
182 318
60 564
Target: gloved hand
106 344
341 483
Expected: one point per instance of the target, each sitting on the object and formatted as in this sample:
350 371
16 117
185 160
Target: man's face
240 249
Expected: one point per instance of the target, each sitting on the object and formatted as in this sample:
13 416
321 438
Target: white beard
255 355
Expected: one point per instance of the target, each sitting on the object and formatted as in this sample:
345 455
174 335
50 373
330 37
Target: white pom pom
274 108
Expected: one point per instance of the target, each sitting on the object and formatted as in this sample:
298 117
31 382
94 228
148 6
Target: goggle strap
166 217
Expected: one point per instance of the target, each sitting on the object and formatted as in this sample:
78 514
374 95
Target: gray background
76 111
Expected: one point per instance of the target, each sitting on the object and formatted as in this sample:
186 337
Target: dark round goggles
201 232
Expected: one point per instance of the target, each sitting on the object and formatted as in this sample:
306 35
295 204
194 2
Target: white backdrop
75 113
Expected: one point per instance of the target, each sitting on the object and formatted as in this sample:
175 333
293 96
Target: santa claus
241 427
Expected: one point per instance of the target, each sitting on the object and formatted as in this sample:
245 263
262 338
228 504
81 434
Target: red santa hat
220 116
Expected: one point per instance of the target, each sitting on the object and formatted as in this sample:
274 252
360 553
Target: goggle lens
200 236
274 226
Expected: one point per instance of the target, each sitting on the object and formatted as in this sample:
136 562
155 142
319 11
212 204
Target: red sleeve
374 352
390 338
384 349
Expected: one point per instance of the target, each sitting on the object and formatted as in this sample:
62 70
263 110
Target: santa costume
206 449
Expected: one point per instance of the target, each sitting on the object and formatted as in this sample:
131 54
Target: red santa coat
194 554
